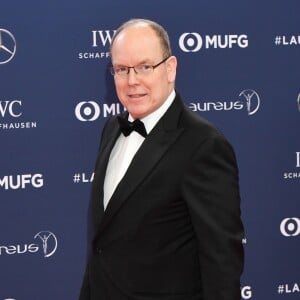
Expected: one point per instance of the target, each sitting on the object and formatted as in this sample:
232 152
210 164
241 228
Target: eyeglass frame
112 69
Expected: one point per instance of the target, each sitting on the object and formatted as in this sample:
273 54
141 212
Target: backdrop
238 67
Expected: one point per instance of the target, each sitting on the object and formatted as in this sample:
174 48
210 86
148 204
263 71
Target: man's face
142 94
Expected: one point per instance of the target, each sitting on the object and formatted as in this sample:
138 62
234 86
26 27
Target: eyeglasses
143 69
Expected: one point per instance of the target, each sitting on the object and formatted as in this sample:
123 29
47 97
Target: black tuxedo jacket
172 229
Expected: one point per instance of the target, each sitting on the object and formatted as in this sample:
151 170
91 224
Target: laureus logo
7 46
49 242
252 100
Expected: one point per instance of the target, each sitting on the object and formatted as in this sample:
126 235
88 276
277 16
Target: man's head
143 44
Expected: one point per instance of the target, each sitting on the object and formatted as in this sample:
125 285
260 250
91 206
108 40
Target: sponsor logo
10 113
89 111
293 175
47 244
246 292
290 227
100 40
8 46
83 177
194 42
298 102
288 288
287 40
247 100
11 108
16 182
252 100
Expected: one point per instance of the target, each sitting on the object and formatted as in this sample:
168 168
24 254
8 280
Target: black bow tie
127 127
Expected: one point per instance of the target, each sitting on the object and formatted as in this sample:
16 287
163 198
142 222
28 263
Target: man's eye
145 67
121 70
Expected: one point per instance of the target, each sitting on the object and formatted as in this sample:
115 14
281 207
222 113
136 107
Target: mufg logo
246 292
11 182
290 227
91 110
194 42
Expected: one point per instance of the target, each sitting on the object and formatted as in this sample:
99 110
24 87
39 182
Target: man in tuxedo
165 197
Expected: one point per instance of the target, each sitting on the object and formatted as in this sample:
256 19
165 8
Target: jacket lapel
163 135
107 143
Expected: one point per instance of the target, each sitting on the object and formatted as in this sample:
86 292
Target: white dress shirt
126 147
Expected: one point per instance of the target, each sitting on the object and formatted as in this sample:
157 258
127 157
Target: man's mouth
136 96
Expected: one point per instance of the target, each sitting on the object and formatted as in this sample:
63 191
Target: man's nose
132 76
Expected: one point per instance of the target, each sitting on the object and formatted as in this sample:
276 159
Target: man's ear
171 68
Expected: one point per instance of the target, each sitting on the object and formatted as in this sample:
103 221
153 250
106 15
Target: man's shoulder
193 122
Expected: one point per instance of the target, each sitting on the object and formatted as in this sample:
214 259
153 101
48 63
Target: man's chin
136 114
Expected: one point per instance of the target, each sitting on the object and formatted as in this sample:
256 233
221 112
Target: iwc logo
295 173
100 41
7 46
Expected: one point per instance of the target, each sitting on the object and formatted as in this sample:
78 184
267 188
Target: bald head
159 31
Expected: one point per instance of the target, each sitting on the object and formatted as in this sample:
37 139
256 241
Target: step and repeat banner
239 67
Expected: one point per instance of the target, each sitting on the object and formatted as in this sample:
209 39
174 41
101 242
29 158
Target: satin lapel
155 145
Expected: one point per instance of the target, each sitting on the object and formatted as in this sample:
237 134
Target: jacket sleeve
211 191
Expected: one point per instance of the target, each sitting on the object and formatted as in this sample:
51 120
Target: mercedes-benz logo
7 46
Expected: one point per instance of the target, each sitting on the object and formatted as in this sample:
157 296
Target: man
165 198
